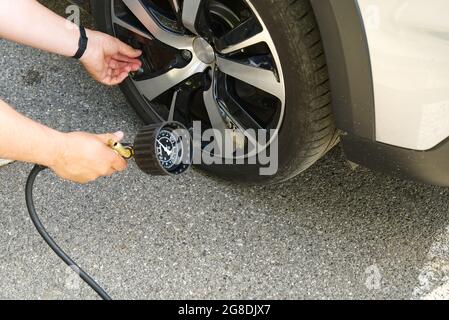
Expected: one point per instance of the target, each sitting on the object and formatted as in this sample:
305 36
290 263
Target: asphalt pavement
329 233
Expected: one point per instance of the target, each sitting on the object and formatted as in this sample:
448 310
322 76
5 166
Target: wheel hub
203 50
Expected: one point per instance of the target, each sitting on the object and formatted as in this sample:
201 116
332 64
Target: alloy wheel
212 61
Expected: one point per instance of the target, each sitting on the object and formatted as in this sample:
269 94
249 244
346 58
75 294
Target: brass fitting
127 152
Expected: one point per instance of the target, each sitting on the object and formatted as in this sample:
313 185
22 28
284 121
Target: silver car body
409 50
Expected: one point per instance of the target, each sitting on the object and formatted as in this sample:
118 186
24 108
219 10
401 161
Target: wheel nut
186 55
138 72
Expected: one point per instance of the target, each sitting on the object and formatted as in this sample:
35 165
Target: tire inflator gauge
159 150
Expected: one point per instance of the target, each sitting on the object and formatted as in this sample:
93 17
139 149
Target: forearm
23 139
30 23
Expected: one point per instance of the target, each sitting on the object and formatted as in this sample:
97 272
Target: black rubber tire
308 131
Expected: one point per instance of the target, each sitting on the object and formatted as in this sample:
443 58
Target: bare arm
30 23
80 157
21 138
107 59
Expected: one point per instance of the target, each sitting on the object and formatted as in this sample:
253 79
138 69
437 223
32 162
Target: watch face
169 149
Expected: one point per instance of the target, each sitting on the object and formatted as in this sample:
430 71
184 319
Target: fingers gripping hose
49 240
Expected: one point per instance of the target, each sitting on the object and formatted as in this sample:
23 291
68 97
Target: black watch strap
82 44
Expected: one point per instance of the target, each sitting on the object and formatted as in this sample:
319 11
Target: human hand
84 157
109 60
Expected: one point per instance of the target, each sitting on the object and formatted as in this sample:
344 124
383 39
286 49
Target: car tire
308 131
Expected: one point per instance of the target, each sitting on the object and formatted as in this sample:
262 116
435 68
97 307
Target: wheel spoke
258 38
190 13
244 35
233 107
146 18
262 79
154 87
175 5
245 123
122 23
213 110
216 114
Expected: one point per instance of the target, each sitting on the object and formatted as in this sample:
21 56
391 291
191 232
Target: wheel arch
348 59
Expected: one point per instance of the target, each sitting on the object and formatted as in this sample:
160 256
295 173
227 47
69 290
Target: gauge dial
169 150
163 149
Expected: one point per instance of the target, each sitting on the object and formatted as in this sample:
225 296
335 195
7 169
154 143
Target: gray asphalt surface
330 233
